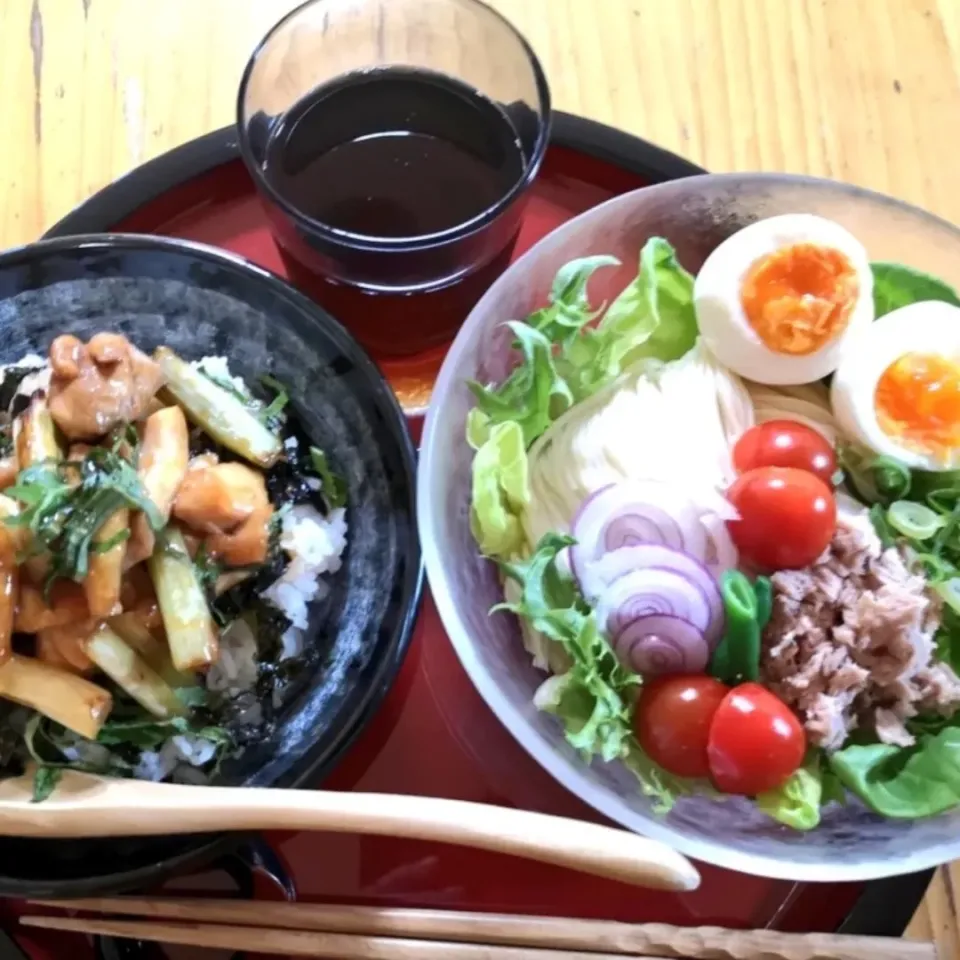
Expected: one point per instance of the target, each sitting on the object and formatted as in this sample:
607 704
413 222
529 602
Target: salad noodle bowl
690 504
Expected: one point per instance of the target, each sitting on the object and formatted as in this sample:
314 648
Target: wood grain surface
866 91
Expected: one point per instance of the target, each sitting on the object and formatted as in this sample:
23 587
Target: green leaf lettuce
654 316
797 803
904 783
896 285
500 491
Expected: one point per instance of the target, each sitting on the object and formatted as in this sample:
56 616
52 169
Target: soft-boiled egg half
898 391
777 300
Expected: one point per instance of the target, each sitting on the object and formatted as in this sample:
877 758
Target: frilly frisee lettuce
534 394
566 357
568 310
594 699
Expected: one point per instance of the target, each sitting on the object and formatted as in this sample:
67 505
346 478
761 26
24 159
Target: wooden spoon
88 806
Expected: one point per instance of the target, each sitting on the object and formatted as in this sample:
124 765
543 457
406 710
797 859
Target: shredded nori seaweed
12 377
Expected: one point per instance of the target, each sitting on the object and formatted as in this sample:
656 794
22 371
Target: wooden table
866 91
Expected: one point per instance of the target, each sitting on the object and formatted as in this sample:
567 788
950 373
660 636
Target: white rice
291 643
86 751
315 545
178 755
32 382
191 749
180 752
218 368
153 765
236 667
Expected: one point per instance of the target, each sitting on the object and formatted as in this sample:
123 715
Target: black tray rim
886 906
148 182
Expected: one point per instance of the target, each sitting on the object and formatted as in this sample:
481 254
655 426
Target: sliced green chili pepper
763 589
720 661
737 657
875 479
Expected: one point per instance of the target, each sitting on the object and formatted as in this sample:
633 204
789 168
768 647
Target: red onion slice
721 554
600 575
633 513
656 645
650 591
563 564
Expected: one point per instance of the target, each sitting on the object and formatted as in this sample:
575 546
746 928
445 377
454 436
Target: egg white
930 328
723 322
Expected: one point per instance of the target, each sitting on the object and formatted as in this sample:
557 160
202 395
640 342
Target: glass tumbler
393 144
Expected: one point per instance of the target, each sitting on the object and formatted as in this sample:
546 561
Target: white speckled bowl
695 215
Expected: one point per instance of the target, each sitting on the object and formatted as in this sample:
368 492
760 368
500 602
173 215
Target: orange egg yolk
800 297
918 403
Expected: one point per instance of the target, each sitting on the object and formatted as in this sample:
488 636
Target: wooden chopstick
304 943
378 933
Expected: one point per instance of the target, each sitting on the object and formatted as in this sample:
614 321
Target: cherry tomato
787 517
672 721
785 443
755 742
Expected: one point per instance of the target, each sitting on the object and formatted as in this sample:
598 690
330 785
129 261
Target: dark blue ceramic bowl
200 301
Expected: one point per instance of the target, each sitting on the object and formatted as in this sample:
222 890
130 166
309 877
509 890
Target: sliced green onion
874 479
279 402
935 568
886 533
949 591
944 501
891 477
914 520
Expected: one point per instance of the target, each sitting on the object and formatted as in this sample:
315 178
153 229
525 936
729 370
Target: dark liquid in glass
394 153
397 155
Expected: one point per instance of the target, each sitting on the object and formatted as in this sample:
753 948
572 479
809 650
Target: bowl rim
572 775
311 765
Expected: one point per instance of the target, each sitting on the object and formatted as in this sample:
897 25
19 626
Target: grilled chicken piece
96 386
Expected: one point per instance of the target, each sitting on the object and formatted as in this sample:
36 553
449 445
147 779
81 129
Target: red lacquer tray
433 734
